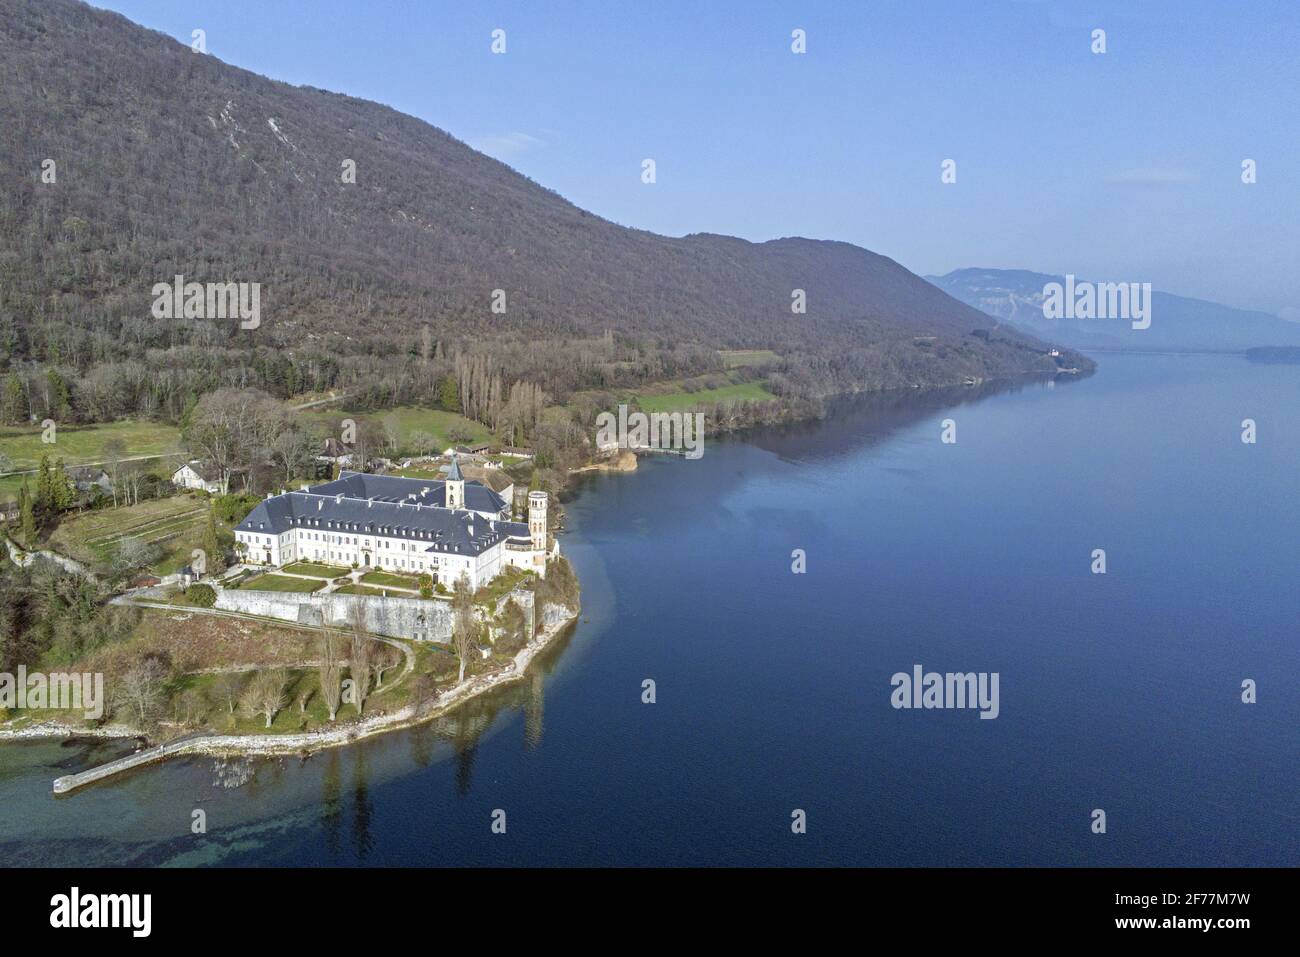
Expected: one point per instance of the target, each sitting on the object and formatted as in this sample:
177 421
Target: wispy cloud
506 144
1152 176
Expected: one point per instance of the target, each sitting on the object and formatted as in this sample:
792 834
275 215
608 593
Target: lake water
1119 691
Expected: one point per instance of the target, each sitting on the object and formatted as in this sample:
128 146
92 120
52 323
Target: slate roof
362 504
394 488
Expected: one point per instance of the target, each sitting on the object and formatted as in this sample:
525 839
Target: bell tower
537 519
455 497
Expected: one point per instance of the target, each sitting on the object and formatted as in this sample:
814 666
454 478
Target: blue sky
1120 166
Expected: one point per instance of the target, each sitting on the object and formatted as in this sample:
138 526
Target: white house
199 475
442 528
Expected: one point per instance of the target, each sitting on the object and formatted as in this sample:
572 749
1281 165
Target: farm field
741 358
407 421
81 444
688 401
173 524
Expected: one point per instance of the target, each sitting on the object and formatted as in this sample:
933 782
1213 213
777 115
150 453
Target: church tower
537 519
455 497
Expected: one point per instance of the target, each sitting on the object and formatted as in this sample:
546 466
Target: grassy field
395 581
316 570
689 401
282 583
174 524
741 358
78 444
407 420
370 590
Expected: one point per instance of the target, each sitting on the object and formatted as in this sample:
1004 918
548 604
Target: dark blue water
1120 692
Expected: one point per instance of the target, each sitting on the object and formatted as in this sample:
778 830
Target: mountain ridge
1177 322
173 162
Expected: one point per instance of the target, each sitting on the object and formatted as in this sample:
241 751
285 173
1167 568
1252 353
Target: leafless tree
423 443
331 684
385 658
138 694
359 661
265 695
114 452
463 627
226 689
191 707
231 428
292 448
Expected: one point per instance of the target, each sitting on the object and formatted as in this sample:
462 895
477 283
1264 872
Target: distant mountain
1177 323
172 162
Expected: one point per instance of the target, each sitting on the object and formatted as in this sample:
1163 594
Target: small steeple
455 497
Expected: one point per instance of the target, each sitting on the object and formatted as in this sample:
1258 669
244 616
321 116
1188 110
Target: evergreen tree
27 516
60 395
63 488
211 546
447 394
13 401
45 503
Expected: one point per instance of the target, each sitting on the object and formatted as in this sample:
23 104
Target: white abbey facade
442 528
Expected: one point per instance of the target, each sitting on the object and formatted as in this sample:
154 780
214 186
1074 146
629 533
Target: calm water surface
1119 692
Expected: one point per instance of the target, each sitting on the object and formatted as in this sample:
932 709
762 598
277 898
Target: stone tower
537 519
455 485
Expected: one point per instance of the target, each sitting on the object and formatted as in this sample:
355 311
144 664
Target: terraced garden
174 524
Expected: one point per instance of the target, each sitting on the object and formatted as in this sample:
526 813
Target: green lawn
175 525
740 358
690 401
369 590
316 570
407 421
282 583
80 444
386 578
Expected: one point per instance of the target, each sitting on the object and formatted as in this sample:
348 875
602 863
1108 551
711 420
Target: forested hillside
169 162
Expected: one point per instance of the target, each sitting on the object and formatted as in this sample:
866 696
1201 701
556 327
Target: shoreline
301 743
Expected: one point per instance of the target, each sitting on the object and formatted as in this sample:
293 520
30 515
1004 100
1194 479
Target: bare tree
359 661
231 428
391 434
226 689
265 695
292 448
423 443
114 452
191 707
463 627
385 658
138 694
331 684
